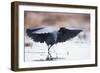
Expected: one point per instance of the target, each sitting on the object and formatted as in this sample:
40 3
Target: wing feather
37 37
66 34
48 38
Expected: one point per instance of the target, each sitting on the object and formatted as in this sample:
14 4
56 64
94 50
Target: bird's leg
49 57
49 53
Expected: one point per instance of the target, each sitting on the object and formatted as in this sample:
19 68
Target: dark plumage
52 38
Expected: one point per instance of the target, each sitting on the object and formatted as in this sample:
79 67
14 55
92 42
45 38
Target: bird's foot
48 58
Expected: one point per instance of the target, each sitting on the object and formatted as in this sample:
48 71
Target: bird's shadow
50 59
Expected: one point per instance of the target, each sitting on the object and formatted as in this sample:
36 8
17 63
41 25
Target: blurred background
70 20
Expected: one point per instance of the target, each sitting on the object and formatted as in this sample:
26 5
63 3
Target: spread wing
48 38
66 34
37 37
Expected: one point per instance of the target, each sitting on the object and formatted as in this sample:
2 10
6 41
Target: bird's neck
55 34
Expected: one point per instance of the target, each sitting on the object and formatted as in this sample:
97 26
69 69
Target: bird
51 36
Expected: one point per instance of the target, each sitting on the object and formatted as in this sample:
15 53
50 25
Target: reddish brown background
73 20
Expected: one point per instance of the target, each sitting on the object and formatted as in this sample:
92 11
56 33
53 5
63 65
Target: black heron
53 37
